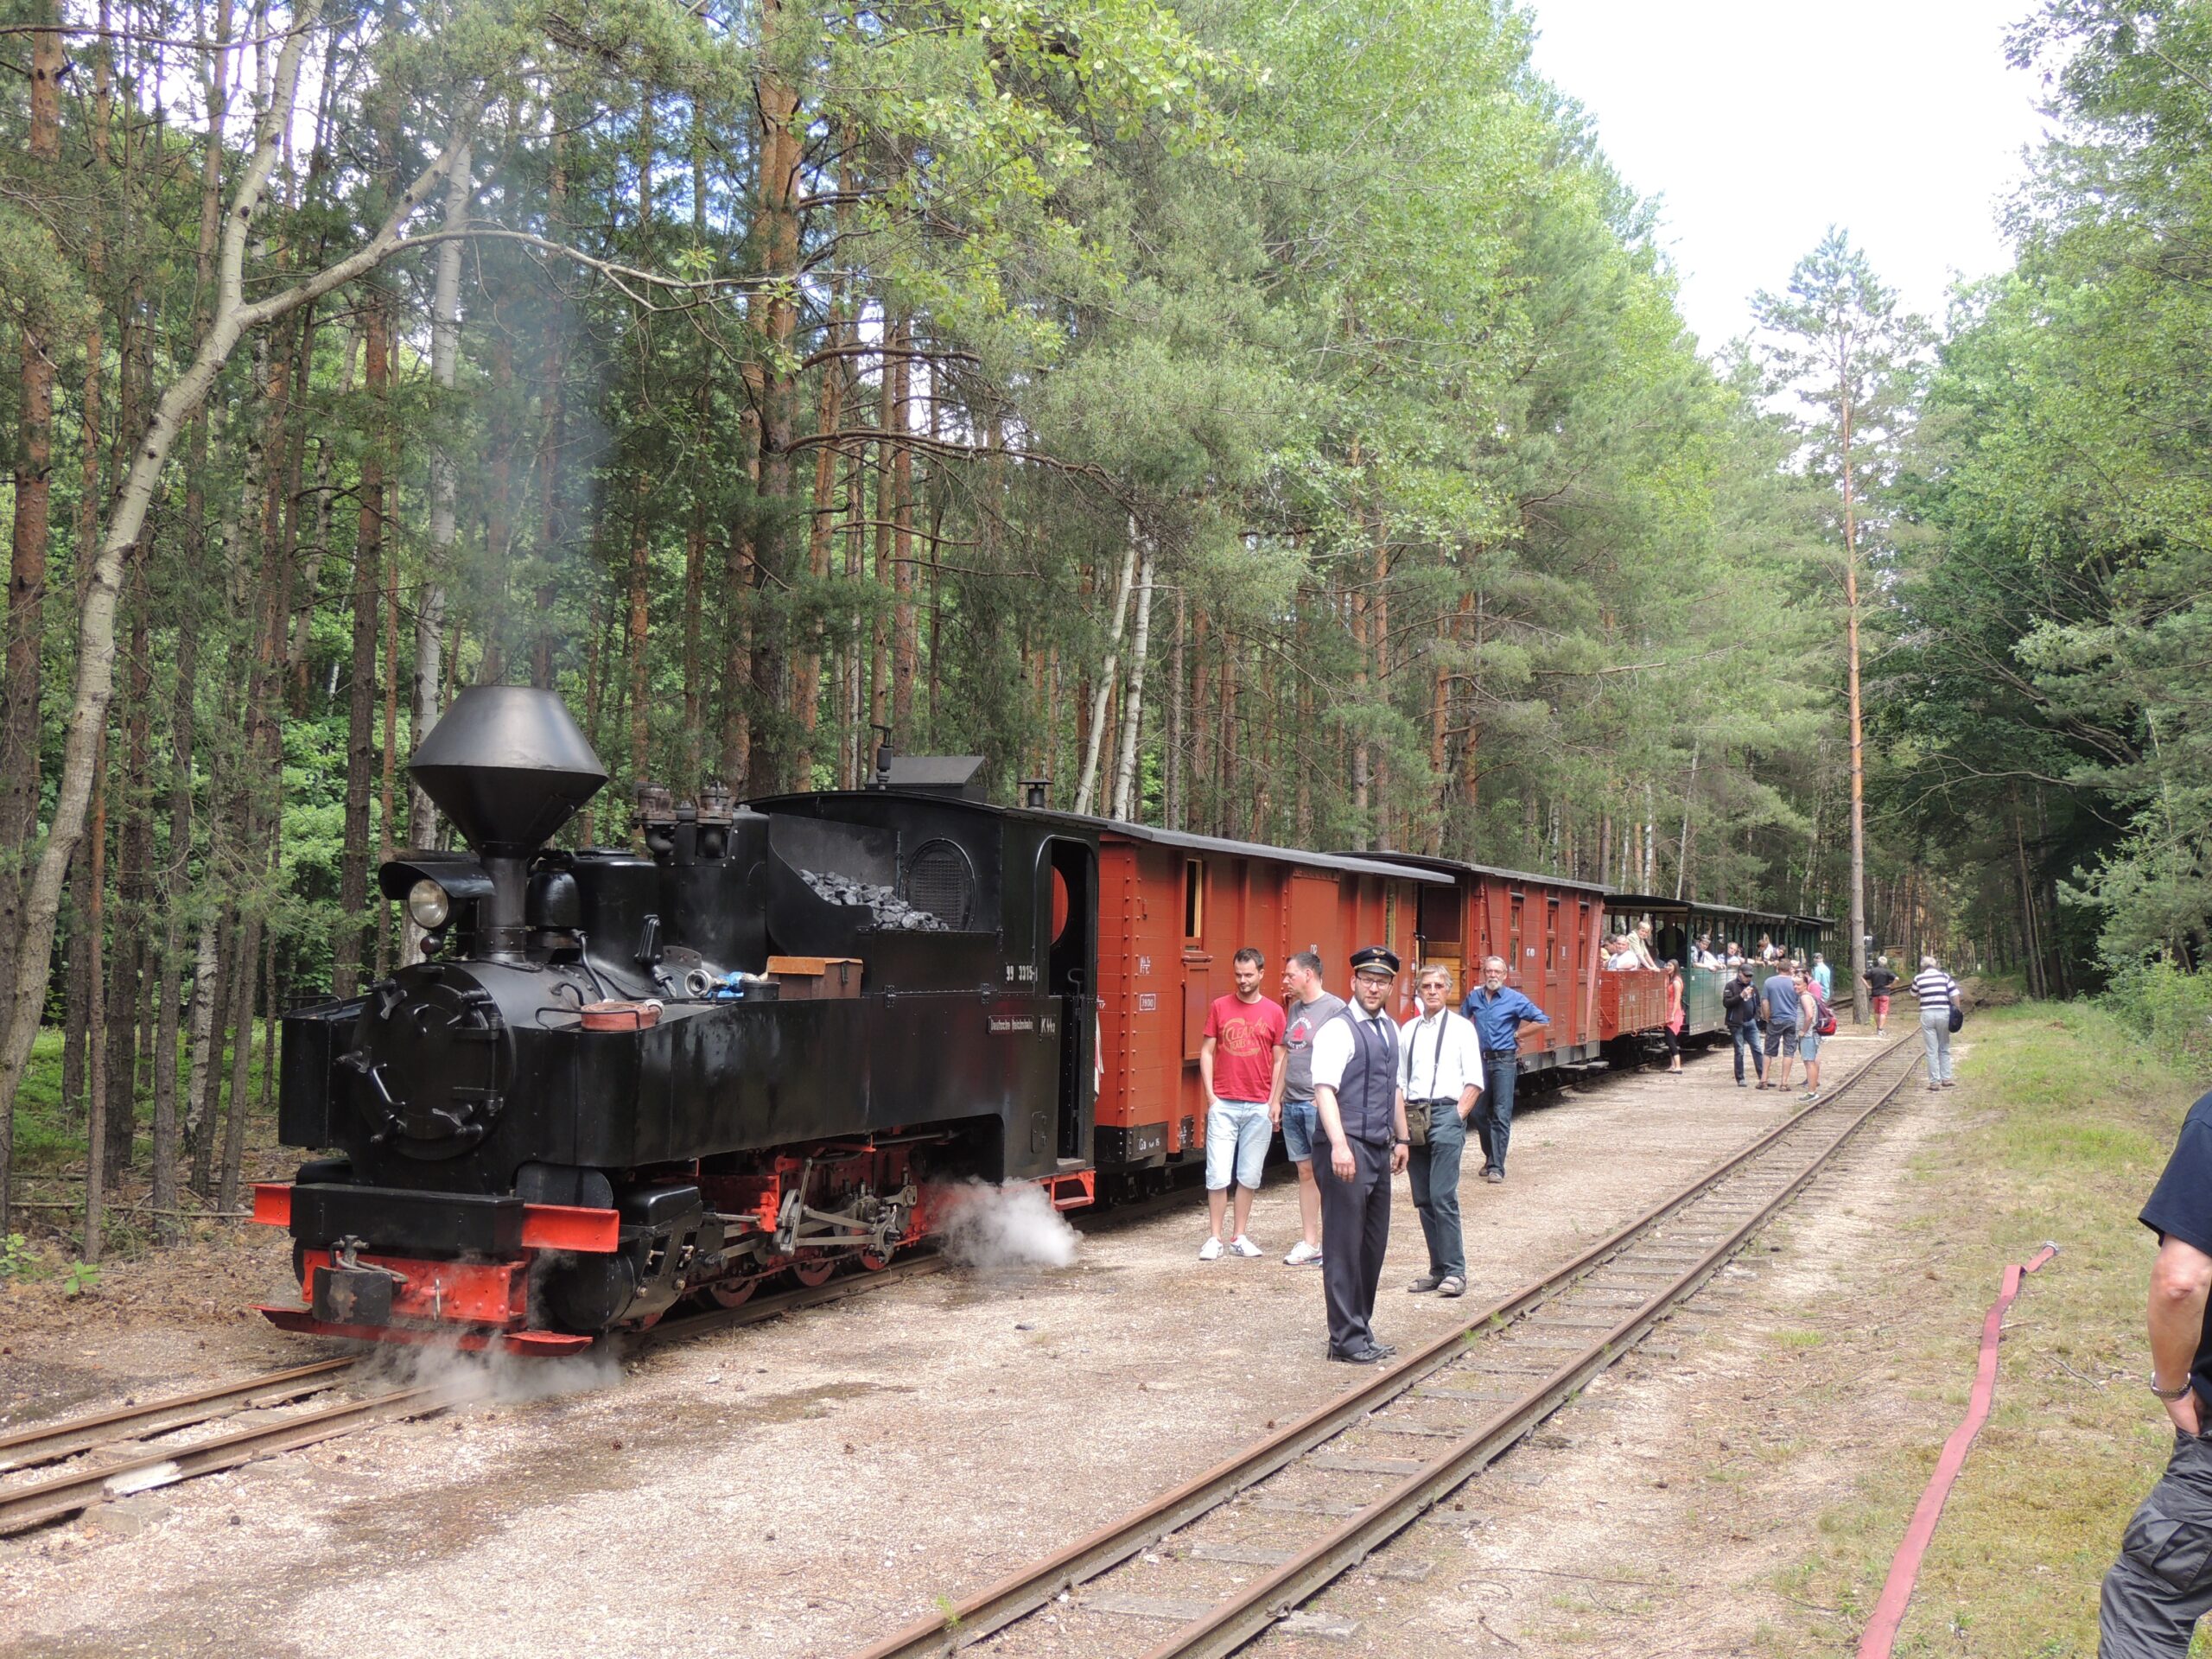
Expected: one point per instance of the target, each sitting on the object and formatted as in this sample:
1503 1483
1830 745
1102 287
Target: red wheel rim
734 1293
814 1270
874 1261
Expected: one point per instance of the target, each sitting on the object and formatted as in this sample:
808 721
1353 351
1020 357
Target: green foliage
79 1278
2168 1008
17 1259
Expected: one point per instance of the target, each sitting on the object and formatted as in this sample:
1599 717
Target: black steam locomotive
617 1079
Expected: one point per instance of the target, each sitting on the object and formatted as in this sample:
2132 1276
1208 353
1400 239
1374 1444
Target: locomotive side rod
1030 1589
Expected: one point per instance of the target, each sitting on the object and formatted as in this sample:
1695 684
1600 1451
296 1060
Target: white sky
1760 122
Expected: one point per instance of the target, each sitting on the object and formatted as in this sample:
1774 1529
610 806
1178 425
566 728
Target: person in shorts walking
2162 1583
1440 1073
1939 993
1240 1063
1881 980
1308 1005
1778 1006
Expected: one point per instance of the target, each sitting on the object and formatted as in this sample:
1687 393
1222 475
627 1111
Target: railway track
1219 1560
136 1448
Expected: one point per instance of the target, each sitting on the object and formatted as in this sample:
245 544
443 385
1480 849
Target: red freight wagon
1550 930
1173 910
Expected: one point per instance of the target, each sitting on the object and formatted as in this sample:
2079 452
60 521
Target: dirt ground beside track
799 1487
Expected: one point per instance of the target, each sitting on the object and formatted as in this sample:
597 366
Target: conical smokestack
508 766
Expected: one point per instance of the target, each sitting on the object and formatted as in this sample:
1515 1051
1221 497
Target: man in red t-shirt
1240 1063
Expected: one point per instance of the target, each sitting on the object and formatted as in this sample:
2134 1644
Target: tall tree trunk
1128 801
444 529
1858 993
361 707
738 564
1171 783
780 161
241 1023
638 638
211 980
387 827
552 536
96 1116
1088 782
1682 850
19 709
134 851
905 641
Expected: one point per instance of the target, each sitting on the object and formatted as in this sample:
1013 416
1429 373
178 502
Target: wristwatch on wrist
2171 1396
1401 1140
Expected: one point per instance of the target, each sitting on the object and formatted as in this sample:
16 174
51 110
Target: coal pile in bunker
884 904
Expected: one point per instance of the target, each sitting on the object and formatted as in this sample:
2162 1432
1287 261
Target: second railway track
131 1449
1208 1566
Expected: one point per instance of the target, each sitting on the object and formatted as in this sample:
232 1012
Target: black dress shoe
1362 1356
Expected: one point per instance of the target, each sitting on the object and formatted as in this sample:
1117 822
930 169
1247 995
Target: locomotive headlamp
426 904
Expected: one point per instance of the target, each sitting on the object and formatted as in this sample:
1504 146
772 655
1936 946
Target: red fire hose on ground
1904 1567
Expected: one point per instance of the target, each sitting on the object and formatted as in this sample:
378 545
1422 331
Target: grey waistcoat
1367 1099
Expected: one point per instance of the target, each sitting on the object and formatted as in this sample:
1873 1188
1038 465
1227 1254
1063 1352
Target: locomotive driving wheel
814 1270
734 1293
877 1261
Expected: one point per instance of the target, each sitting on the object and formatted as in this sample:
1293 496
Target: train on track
777 1038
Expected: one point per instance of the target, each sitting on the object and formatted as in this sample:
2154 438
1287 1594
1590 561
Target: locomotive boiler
618 1078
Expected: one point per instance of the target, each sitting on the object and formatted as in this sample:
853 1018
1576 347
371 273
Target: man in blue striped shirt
1498 1012
1939 993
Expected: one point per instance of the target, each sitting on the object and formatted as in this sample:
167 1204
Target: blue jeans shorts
1301 1129
1809 1047
1237 1132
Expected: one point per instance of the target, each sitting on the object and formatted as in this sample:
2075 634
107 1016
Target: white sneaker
1300 1253
1210 1250
1241 1245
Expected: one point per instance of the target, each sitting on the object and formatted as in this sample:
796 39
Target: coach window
1551 934
1513 937
1194 896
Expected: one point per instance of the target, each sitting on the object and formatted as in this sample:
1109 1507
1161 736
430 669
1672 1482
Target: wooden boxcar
1548 930
1173 909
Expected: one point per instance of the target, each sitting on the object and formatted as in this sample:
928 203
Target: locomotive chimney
508 766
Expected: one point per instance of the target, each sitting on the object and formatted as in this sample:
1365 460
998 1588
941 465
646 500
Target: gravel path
799 1487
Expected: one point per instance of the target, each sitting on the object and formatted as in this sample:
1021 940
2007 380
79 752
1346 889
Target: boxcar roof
1457 866
1653 901
1357 864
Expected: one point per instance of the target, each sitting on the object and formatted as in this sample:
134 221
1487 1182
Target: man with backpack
1815 1020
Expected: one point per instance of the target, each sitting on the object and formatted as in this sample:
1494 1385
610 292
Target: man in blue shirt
1778 1004
2162 1583
1498 1013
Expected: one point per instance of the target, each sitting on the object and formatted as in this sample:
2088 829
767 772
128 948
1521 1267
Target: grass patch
2064 1127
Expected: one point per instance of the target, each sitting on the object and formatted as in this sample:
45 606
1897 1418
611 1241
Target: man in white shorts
1240 1063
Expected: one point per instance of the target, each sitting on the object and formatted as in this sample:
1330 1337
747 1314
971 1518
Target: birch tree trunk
1104 691
445 490
1125 783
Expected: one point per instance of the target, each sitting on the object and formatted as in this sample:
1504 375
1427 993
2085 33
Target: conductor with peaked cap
1362 1114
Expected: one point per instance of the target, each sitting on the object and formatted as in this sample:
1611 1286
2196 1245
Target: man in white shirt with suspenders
1440 1071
